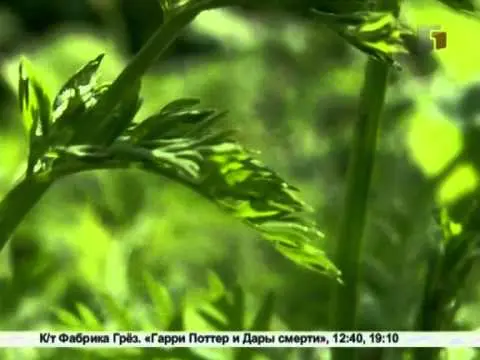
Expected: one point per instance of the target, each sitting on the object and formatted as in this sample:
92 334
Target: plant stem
352 224
17 203
349 241
135 70
429 314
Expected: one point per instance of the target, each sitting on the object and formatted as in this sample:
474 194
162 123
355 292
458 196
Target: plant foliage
180 142
89 126
222 308
378 34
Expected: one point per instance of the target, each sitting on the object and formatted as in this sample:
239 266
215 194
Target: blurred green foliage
291 87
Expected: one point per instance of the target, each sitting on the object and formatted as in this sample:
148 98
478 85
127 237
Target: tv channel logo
432 38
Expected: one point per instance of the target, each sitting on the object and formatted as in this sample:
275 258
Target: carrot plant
89 126
92 126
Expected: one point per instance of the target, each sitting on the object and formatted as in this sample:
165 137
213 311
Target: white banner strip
238 339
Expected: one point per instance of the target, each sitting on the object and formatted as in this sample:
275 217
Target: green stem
17 203
429 314
145 58
349 241
362 158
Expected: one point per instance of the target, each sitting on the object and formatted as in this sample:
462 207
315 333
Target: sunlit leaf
216 288
450 268
227 173
378 34
170 7
85 320
88 318
162 302
34 101
261 322
449 227
122 317
78 90
67 319
466 212
171 123
80 93
179 105
223 171
181 143
214 320
227 312
36 112
264 315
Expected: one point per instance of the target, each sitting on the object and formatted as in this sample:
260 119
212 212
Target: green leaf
78 90
180 104
459 244
88 318
162 302
214 165
261 322
227 312
264 316
116 122
222 170
170 7
176 119
36 112
119 313
158 43
67 319
80 93
77 99
378 34
181 143
216 288
177 323
215 321
34 102
449 228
